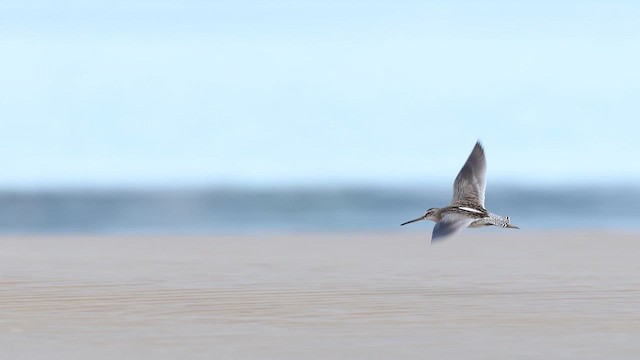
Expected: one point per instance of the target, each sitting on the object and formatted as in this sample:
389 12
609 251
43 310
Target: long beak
414 220
512 226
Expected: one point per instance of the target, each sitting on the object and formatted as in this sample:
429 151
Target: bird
467 206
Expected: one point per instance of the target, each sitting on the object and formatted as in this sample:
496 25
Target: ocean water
346 209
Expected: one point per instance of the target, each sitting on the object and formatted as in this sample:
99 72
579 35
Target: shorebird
467 206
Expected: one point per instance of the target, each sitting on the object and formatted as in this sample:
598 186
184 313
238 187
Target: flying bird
467 206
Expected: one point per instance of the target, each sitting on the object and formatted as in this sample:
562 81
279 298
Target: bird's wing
450 225
468 188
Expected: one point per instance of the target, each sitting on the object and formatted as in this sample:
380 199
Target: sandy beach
482 295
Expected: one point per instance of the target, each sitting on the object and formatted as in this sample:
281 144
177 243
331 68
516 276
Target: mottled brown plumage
467 205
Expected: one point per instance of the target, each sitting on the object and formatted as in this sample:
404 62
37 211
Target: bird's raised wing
450 225
468 188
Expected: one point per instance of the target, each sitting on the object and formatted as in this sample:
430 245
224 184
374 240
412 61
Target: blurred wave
235 210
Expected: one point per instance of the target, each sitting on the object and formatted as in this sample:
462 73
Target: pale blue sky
269 92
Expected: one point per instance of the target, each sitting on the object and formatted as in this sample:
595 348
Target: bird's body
467 206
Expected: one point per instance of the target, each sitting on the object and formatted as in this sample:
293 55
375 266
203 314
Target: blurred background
275 116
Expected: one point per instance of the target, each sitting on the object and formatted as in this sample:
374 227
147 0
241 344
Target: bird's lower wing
450 225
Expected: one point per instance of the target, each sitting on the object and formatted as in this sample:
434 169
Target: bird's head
428 215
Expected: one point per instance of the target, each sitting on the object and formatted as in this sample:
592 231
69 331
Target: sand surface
483 295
